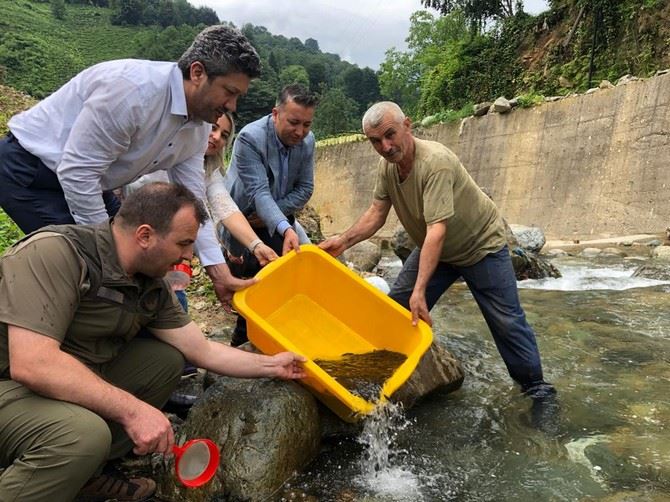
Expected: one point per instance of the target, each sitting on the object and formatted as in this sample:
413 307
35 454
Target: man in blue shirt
271 177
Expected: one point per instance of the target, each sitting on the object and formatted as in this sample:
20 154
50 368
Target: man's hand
150 430
419 308
225 284
335 245
287 366
291 242
264 254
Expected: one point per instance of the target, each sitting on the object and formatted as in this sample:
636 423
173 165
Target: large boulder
437 369
267 430
529 238
364 256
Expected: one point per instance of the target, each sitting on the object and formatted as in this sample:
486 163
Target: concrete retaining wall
593 165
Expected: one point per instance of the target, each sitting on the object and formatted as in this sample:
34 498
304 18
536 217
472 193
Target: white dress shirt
113 123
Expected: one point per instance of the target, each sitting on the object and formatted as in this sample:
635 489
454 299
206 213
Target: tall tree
335 114
477 11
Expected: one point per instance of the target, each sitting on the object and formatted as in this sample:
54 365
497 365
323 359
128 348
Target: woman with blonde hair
223 209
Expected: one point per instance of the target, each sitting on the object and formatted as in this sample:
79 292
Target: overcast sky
360 31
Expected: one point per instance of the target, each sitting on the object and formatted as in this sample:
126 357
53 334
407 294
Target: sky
359 31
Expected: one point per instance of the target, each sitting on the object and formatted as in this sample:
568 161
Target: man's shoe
116 487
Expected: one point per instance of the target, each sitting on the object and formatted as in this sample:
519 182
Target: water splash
384 467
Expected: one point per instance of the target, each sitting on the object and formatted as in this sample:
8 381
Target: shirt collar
177 93
283 149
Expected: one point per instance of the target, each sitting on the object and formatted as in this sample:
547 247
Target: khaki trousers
50 448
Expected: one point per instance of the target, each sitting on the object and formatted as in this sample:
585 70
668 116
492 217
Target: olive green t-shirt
43 286
439 188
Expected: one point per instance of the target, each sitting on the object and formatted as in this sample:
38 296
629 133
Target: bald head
377 112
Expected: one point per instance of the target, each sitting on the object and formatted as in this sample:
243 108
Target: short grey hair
222 50
376 113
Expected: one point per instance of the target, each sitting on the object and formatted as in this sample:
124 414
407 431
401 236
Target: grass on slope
40 52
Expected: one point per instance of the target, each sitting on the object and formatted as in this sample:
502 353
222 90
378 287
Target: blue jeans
493 285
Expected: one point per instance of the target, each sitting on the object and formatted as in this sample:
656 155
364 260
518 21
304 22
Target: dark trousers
50 448
493 285
31 194
249 268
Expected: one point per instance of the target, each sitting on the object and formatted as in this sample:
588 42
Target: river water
605 341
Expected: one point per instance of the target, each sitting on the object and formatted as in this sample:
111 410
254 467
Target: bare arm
428 260
366 226
226 360
38 363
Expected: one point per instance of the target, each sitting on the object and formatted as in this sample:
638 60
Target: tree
258 102
293 74
128 12
335 114
477 11
312 45
362 86
399 79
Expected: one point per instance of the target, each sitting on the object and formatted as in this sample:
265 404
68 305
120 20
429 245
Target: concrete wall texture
593 165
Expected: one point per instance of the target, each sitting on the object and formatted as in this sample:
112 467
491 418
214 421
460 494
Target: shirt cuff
207 246
282 227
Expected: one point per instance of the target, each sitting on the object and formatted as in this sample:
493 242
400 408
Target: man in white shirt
117 121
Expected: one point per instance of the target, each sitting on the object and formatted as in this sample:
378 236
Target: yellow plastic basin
311 304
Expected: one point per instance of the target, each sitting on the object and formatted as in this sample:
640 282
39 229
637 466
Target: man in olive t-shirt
458 231
77 387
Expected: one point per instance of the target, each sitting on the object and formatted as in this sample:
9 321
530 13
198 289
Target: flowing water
605 342
363 374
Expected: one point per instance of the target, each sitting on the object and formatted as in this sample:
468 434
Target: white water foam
383 471
577 453
585 278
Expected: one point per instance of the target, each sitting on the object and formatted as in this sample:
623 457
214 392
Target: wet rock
553 253
267 429
590 252
437 369
653 243
402 244
654 270
364 256
530 266
529 238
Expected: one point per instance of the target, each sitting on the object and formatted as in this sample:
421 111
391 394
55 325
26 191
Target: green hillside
39 53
